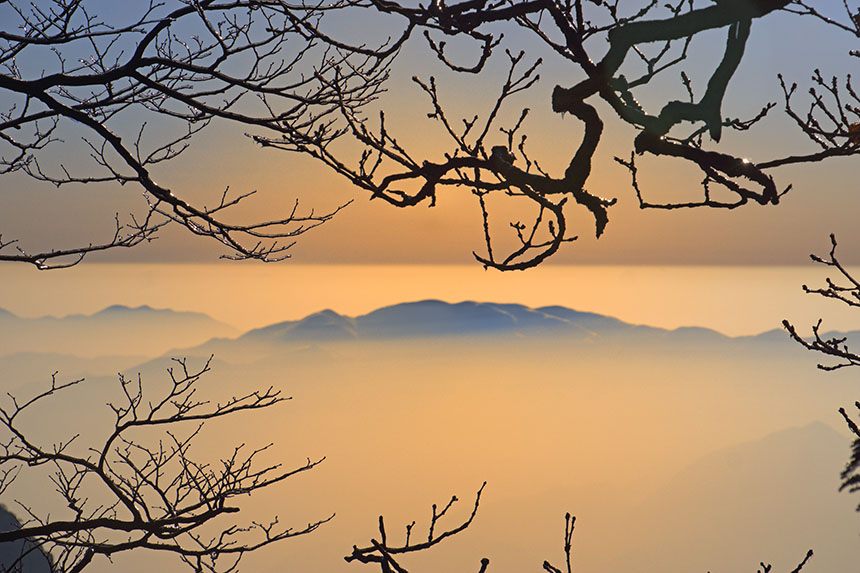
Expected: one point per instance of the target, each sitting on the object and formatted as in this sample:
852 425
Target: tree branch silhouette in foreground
140 487
132 90
137 88
388 557
619 49
845 289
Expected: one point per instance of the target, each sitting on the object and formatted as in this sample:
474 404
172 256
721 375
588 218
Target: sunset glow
501 268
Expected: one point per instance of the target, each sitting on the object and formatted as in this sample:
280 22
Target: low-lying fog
676 452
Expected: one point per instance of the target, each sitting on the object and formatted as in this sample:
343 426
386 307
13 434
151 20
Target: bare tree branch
845 289
287 74
112 83
387 170
155 495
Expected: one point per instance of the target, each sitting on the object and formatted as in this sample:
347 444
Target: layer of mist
114 331
678 451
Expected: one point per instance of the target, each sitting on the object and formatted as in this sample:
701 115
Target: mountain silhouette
433 319
125 333
323 325
116 330
542 399
766 499
436 319
20 555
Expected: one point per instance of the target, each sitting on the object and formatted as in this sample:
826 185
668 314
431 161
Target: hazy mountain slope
422 319
116 330
765 500
474 323
23 368
22 554
588 320
323 325
593 422
123 331
438 319
768 499
432 318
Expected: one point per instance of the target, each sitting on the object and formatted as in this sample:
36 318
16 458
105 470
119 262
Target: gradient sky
738 272
736 301
824 198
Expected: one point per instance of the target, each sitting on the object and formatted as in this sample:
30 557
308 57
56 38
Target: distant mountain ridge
426 318
444 321
537 391
115 330
125 331
438 319
109 311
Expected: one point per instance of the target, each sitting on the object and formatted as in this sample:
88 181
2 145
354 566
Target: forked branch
140 487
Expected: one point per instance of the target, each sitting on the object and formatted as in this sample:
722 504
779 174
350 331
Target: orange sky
823 199
733 300
738 272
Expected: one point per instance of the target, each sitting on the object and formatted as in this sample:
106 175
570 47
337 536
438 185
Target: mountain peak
323 325
120 308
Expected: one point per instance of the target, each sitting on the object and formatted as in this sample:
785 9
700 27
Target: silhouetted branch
845 289
155 494
851 474
767 568
388 171
283 71
569 522
123 85
381 552
126 235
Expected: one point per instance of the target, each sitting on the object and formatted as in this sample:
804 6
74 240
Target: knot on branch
500 153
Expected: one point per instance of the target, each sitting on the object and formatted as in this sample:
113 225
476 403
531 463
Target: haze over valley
677 450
